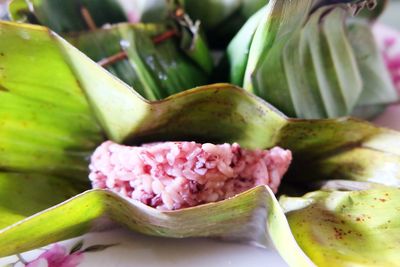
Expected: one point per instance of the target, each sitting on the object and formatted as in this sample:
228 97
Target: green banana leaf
67 96
67 16
370 65
251 216
34 191
311 65
214 13
238 49
347 228
154 70
221 19
45 126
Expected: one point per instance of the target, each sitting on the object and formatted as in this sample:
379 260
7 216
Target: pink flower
388 40
57 256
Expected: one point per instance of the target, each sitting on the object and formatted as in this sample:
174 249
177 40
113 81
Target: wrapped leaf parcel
158 60
155 67
38 69
324 61
221 19
84 15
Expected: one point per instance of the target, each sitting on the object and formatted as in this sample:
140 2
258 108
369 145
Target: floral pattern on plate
59 256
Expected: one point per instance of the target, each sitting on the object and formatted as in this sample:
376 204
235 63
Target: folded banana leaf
68 16
221 19
57 105
155 70
347 228
311 62
82 15
158 60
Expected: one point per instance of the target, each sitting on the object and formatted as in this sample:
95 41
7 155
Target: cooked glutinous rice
174 175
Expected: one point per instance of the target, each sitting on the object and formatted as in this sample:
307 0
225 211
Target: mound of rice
174 175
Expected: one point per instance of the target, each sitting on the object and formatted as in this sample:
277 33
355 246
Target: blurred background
3 9
391 16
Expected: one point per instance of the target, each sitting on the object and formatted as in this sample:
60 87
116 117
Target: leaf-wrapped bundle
158 60
99 106
311 62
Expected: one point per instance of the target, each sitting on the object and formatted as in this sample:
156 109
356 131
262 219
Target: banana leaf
64 17
221 19
46 72
321 64
138 54
155 70
347 228
45 126
67 16
214 13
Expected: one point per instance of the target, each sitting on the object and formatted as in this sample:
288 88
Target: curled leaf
45 126
343 228
251 216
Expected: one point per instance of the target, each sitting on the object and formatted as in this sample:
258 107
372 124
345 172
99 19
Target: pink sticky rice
174 175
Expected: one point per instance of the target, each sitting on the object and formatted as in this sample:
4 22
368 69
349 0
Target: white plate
133 249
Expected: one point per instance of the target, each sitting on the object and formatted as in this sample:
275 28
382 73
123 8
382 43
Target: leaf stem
87 17
113 59
123 55
164 36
